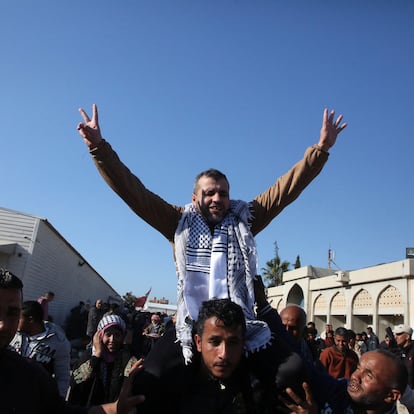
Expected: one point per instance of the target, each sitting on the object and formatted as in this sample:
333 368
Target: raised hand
299 405
330 129
89 129
97 344
127 401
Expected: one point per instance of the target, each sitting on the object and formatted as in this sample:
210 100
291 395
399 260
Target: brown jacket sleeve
150 207
287 188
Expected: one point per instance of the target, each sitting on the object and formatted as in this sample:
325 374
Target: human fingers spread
325 116
331 116
127 401
341 127
294 397
95 113
338 120
84 115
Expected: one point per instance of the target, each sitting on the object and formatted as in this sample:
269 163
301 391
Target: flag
140 302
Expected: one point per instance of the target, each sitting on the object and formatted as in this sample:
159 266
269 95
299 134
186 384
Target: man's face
155 319
212 199
293 322
98 304
23 323
402 339
10 306
369 383
341 342
310 337
221 348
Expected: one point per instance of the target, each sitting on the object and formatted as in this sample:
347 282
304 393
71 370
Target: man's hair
351 334
341 331
210 173
50 293
400 381
33 309
9 281
310 330
224 310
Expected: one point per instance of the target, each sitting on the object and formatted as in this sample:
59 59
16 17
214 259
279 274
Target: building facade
377 296
32 249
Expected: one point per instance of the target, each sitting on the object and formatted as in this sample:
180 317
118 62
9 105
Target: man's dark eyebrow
214 337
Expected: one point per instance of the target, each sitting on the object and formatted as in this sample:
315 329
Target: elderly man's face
155 319
402 338
294 321
370 383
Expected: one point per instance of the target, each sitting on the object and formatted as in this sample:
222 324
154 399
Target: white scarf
222 265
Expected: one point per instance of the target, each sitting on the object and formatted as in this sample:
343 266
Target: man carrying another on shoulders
213 236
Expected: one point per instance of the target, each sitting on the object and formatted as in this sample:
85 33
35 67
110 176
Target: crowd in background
335 351
98 346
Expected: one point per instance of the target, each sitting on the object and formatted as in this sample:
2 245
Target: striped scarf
216 266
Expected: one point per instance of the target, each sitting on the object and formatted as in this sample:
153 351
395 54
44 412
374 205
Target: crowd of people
298 371
227 350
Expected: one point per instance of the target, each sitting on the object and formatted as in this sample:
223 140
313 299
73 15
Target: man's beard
208 217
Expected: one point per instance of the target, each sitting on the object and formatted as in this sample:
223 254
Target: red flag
142 300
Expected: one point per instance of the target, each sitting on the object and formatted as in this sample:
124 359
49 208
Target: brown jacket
165 217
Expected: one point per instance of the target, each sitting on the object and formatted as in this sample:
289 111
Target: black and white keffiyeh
219 265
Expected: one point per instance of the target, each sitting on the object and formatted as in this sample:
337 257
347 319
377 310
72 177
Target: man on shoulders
213 236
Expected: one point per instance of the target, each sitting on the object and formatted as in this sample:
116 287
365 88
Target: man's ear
197 341
393 395
194 200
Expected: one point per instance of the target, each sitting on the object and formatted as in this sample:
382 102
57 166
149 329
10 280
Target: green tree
273 272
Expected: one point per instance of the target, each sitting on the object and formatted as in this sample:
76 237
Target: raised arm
158 213
289 186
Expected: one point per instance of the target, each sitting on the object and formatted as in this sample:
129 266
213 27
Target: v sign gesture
89 129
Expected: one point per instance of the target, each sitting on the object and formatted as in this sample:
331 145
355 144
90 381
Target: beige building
377 296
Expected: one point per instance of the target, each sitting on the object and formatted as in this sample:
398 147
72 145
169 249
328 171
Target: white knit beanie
111 320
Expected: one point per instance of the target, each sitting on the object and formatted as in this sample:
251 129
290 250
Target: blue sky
185 85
